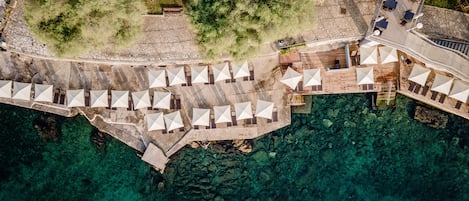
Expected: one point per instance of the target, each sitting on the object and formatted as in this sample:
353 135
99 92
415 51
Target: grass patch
156 6
459 5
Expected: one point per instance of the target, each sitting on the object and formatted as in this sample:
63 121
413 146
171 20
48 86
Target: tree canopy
74 27
238 27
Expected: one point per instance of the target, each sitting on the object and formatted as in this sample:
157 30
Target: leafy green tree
239 27
74 27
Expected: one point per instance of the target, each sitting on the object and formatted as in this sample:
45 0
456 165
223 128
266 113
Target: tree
238 27
74 27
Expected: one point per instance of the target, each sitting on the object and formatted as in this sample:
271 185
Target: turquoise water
342 151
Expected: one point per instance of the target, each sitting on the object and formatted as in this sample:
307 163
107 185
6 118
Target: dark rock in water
48 126
235 146
99 139
433 118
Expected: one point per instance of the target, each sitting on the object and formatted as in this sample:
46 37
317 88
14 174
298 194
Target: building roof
176 76
222 113
240 70
419 74
442 84
291 78
199 74
141 99
264 109
365 75
21 91
76 98
43 92
173 120
119 98
368 55
388 54
156 78
5 88
460 91
221 72
200 117
311 77
161 100
155 121
155 156
99 98
243 110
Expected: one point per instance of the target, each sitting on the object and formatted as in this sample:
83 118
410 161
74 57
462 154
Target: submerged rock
48 127
432 118
99 139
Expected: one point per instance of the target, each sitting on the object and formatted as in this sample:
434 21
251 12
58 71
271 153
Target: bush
74 27
239 27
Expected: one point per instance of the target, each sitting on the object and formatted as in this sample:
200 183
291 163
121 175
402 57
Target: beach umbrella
199 74
76 98
240 70
99 98
141 99
155 121
460 91
156 78
368 55
200 117
365 75
243 110
264 109
21 91
388 54
419 74
311 77
161 100
291 78
173 120
43 92
5 88
176 76
222 113
119 99
442 84
221 72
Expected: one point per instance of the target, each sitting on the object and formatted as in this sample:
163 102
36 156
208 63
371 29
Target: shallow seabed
342 151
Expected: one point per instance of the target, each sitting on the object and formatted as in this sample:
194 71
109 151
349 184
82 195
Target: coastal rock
194 145
244 146
432 118
99 139
48 127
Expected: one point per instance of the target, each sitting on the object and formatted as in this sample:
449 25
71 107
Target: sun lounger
275 116
212 122
425 90
417 88
178 104
251 75
56 96
181 129
458 105
442 98
196 127
233 119
434 94
411 86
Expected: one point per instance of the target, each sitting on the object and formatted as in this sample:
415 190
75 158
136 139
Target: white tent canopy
155 121
311 77
141 99
21 91
460 91
99 98
76 98
161 100
119 98
419 74
264 109
291 78
365 75
240 71
388 54
176 76
173 120
243 110
221 72
199 74
368 55
222 113
5 88
43 92
200 117
156 78
442 84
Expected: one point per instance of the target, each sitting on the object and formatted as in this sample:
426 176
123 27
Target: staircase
462 47
386 98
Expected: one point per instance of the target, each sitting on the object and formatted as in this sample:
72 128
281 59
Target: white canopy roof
173 120
5 88
221 72
200 117
365 75
460 91
240 71
222 113
311 77
368 55
419 74
199 74
21 91
176 76
161 100
264 109
141 99
291 78
388 54
76 98
155 121
119 98
442 84
156 78
43 92
98 98
243 110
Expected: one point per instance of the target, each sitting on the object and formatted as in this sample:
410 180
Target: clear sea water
342 151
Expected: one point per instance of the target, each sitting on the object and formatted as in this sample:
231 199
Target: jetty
158 107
